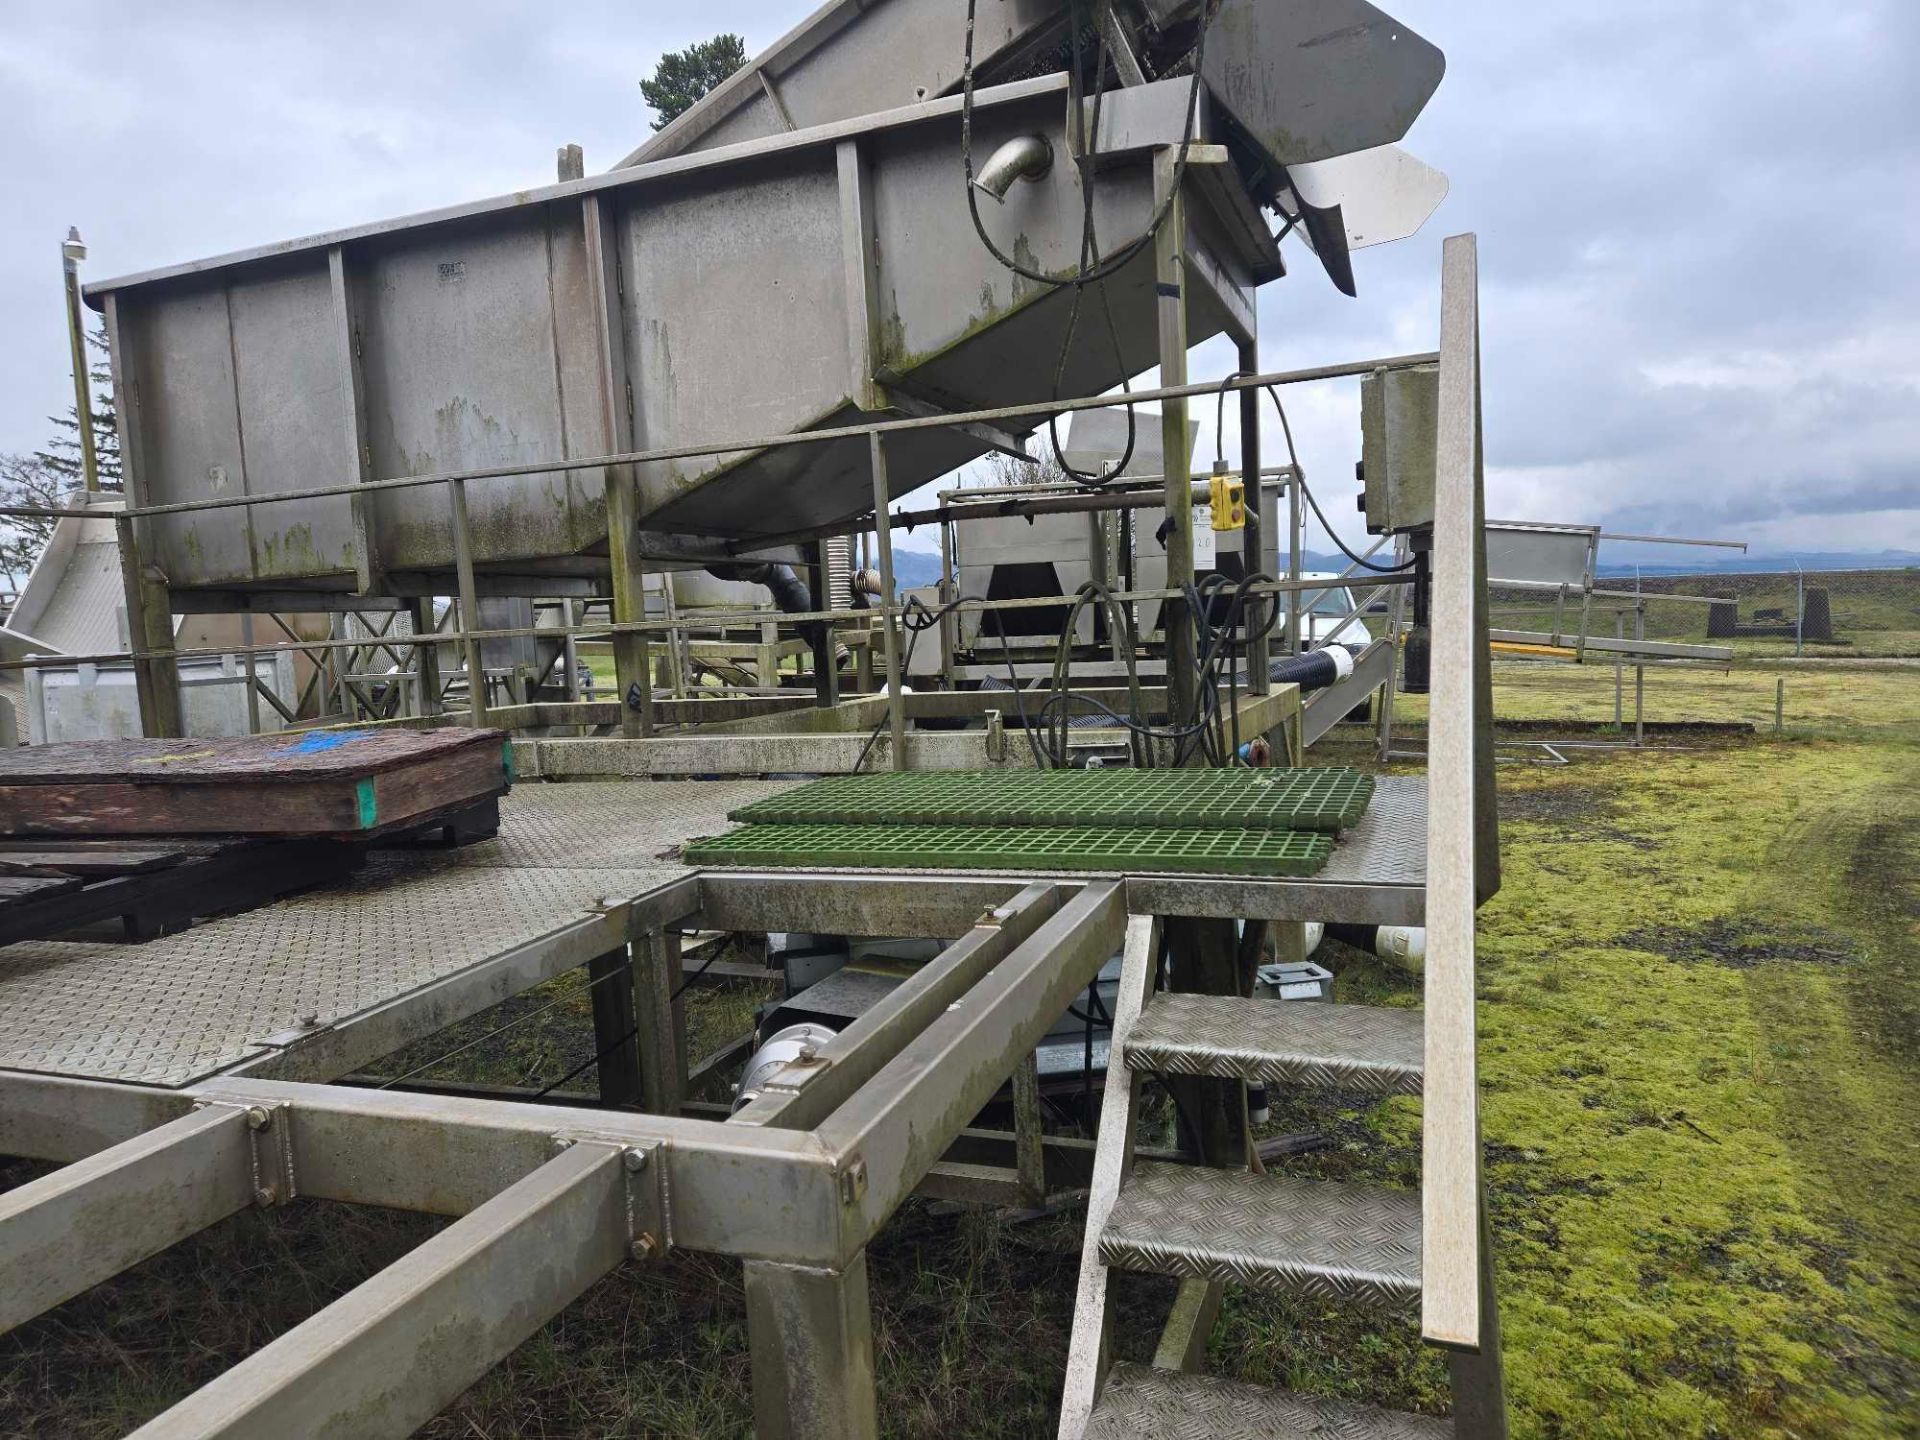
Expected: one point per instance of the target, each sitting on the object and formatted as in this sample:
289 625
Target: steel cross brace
551 1198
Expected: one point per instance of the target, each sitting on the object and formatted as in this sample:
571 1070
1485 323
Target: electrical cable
518 1020
1300 479
719 948
1091 268
916 619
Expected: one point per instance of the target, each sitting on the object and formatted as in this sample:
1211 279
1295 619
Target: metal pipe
1033 409
1025 157
1739 545
665 626
72 251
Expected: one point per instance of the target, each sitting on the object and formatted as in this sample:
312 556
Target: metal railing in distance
1451 1237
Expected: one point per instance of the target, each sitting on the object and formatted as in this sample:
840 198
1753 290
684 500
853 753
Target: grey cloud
1699 224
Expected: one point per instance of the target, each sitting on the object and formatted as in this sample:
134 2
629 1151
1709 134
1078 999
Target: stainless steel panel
475 334
293 401
1542 554
1150 558
735 315
848 58
183 407
471 334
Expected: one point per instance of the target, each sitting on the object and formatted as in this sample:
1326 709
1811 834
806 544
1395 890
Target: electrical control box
1399 434
1229 495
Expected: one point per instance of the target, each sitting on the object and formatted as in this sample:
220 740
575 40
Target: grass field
1876 613
1700 1030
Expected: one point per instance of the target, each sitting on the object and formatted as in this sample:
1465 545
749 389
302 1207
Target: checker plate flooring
182 1007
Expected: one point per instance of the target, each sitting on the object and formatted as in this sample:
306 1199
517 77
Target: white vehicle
1324 610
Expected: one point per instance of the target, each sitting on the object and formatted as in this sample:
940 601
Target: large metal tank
787 282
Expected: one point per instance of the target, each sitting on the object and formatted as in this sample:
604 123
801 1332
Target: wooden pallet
355 784
150 888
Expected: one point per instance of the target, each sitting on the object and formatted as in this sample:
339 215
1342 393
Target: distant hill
917 567
1734 563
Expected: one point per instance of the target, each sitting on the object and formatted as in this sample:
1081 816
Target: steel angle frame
551 1198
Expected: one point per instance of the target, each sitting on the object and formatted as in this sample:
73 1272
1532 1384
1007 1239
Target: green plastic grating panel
1263 853
1320 799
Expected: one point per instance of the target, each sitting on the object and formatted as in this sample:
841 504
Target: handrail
1451 1309
1037 409
596 630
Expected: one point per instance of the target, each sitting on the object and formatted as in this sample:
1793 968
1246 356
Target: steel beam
889 601
811 1337
924 905
391 1354
1088 1355
1326 708
806 1091
898 1124
1170 279
1450 1174
679 755
90 1220
1629 648
755 1193
57 1117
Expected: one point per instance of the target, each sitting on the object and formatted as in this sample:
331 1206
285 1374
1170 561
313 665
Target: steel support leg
1170 273
615 1031
150 630
889 616
1204 962
810 1333
1029 1140
1254 541
426 658
1479 1380
656 978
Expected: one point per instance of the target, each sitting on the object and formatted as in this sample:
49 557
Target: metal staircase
1330 1241
1397 1253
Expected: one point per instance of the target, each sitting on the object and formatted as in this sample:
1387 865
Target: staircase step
1281 1042
1138 1401
1317 1238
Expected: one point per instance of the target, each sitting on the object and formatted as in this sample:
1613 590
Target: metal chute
1349 202
1310 79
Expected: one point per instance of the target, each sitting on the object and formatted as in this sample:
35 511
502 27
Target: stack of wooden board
336 784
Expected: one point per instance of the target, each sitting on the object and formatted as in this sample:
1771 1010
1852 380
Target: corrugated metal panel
83 617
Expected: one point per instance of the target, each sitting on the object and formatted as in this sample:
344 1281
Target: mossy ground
1700 1027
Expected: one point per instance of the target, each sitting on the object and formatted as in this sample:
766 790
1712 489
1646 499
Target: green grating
1017 847
1320 799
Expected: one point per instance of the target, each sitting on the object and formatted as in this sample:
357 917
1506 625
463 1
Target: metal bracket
853 1182
649 1215
270 1152
647 1232
996 742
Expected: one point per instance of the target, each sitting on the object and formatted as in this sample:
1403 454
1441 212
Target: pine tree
62 456
26 480
684 77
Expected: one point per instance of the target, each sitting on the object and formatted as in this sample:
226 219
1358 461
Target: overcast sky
1699 221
